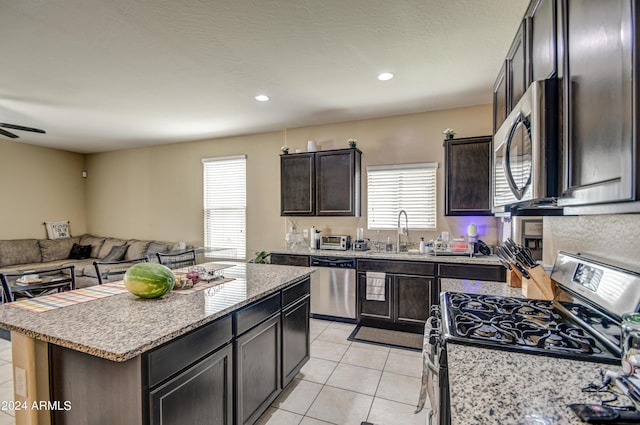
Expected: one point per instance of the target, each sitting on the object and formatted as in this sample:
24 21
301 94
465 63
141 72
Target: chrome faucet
400 231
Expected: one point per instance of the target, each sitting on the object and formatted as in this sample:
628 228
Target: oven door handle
429 363
428 349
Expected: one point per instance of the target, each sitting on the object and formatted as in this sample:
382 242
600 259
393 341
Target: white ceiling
102 75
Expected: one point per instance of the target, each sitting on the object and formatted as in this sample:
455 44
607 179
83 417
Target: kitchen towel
375 286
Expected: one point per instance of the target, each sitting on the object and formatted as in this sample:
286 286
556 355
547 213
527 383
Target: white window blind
225 204
409 187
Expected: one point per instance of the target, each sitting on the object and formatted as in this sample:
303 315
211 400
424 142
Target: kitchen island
183 358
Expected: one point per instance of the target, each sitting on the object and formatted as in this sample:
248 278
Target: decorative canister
311 146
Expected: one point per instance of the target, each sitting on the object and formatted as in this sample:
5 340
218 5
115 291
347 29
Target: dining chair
178 260
31 284
112 271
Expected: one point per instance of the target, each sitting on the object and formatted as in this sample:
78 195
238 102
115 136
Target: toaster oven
335 242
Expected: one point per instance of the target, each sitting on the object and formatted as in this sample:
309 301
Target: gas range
583 322
524 325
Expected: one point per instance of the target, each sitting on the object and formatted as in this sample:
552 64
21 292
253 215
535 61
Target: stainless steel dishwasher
333 288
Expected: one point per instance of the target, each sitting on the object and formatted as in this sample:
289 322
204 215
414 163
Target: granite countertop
489 386
390 255
501 387
124 326
470 286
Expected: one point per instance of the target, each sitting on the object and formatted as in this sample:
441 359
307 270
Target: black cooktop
529 326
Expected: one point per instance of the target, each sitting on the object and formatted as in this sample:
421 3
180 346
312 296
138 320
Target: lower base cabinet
207 383
409 294
412 299
406 304
258 363
295 338
376 310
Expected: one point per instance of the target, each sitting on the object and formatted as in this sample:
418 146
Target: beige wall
37 185
157 192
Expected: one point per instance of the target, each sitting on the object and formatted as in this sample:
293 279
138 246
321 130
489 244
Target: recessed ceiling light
385 76
262 98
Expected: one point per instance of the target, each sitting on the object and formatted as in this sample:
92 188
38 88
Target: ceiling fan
17 127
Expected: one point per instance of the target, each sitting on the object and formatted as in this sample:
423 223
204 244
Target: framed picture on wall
57 229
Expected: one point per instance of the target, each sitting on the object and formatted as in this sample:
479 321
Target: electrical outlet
305 233
20 381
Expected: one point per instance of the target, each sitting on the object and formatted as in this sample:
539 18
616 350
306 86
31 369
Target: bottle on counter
312 237
422 247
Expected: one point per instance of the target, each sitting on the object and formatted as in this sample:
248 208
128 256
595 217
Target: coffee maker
360 244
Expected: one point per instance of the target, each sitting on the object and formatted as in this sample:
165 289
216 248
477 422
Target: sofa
19 255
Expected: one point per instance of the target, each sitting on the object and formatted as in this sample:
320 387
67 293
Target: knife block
514 279
539 286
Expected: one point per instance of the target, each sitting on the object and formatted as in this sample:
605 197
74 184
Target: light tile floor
344 383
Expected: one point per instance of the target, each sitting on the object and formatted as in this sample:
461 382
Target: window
409 187
225 204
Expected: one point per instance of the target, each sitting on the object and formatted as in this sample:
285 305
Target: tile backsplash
613 237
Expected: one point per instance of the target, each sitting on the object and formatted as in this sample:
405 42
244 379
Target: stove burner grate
530 332
503 305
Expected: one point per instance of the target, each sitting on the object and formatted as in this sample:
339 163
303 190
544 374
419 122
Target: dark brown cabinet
338 182
591 46
272 346
297 184
541 24
375 310
289 260
258 363
207 383
500 101
406 305
409 294
325 183
412 295
599 102
295 338
193 372
517 67
512 79
468 176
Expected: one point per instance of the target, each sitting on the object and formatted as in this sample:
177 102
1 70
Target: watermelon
149 280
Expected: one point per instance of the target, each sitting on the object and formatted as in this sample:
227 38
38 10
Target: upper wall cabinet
298 184
468 176
511 82
541 27
592 47
600 109
323 183
517 67
500 102
338 182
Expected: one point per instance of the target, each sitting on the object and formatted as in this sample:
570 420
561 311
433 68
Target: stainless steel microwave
526 165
